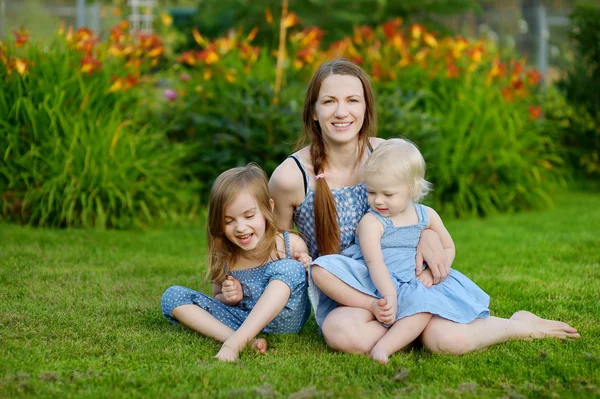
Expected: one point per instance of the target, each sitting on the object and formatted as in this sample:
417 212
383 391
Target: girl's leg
445 336
352 330
400 334
197 319
341 292
268 306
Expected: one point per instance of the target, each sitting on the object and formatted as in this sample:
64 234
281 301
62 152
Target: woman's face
340 108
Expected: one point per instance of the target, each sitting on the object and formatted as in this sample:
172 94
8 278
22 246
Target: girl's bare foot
259 345
379 355
227 354
542 328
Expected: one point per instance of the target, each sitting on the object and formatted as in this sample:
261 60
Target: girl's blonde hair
227 186
327 232
403 159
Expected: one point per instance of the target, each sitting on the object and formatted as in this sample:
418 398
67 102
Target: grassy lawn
80 316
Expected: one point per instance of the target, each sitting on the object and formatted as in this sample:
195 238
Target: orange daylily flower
416 30
89 64
21 66
198 37
430 40
390 28
290 20
533 77
21 37
252 34
268 16
451 70
535 112
188 57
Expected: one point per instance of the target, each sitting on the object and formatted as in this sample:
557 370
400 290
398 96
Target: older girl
257 283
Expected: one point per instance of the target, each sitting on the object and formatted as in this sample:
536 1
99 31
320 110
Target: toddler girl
257 284
385 248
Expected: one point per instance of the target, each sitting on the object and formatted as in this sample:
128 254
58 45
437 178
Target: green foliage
75 154
483 155
336 17
581 86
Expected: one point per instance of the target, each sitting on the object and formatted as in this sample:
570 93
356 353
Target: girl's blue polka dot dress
254 281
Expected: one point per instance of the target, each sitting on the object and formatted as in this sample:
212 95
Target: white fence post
543 36
141 21
81 11
2 19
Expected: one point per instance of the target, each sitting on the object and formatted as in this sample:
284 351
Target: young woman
318 189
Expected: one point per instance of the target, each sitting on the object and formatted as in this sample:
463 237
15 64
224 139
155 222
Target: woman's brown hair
221 251
326 225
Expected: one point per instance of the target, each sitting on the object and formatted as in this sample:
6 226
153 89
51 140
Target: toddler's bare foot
379 355
381 310
542 328
260 345
227 354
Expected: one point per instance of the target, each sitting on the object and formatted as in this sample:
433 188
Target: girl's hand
232 291
426 277
303 258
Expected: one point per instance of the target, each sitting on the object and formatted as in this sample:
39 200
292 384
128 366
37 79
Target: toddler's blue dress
254 281
456 298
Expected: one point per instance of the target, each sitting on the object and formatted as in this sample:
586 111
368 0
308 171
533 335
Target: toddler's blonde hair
403 159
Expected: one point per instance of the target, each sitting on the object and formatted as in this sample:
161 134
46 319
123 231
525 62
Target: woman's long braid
325 211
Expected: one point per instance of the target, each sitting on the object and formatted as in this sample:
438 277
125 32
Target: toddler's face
245 224
387 194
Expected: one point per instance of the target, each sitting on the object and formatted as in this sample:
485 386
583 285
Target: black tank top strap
369 146
288 249
303 170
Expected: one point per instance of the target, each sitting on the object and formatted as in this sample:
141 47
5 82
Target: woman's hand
232 291
431 250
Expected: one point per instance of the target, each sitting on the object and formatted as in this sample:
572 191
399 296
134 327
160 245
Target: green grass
80 317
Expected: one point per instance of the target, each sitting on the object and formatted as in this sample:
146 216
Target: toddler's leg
341 292
402 333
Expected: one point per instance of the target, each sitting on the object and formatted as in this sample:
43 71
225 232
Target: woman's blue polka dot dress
254 281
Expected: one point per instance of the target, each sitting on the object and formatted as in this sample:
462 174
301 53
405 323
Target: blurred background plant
133 128
74 150
579 115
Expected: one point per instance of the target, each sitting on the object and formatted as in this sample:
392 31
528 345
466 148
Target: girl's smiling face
244 223
340 108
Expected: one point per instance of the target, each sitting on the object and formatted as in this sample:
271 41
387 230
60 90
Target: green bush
580 117
74 152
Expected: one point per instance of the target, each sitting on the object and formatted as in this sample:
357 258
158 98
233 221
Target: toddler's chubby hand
232 290
426 277
303 258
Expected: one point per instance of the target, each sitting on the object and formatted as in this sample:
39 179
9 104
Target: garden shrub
74 152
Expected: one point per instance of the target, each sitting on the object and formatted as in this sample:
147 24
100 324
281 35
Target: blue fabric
254 281
456 298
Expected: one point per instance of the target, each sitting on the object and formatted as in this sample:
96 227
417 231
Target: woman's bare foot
227 354
379 355
542 328
260 345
